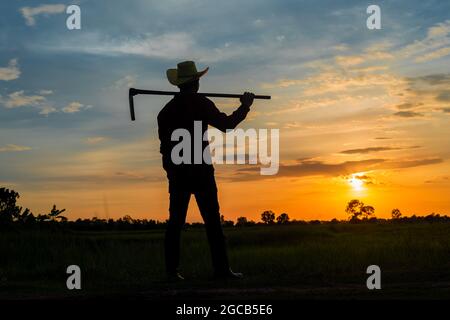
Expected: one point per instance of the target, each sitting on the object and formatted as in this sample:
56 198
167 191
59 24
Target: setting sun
356 183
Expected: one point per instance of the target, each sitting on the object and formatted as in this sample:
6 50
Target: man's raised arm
221 121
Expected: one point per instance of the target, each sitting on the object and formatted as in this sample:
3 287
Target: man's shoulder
205 101
173 105
166 108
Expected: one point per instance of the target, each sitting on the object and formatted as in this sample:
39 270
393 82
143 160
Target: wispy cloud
319 168
341 47
19 99
164 46
312 168
433 79
168 46
95 180
46 110
11 72
346 61
127 81
46 92
442 52
383 138
440 179
408 114
74 107
95 140
14 148
375 149
433 46
30 13
444 96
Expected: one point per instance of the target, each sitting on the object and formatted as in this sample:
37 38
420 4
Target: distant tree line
12 215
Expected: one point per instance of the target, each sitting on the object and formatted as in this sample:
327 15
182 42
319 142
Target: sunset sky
363 114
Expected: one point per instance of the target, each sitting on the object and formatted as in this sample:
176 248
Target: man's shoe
228 274
174 276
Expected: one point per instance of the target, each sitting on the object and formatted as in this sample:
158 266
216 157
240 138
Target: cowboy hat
185 72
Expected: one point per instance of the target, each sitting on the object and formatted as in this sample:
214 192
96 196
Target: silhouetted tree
353 209
434 217
53 216
241 222
396 214
9 210
226 223
367 211
283 218
357 209
268 217
127 219
27 217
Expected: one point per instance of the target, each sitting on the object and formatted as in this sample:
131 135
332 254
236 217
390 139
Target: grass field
286 262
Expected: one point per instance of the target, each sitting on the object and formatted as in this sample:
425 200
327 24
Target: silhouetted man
189 178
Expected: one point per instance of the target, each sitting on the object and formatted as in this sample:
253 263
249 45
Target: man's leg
179 201
209 208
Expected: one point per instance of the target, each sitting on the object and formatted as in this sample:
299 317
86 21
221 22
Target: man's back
181 113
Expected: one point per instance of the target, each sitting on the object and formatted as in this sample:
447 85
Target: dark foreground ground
280 262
